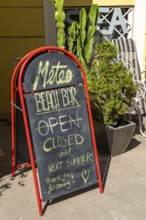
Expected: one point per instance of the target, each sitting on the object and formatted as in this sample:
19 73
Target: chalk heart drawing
85 175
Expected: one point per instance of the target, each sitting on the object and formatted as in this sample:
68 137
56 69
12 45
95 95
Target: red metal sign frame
19 72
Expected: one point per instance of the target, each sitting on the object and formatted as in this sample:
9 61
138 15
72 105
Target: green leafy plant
111 86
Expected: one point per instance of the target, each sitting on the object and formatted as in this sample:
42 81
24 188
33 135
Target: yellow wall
22 29
73 3
113 2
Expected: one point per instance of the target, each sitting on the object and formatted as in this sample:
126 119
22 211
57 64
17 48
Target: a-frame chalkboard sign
58 123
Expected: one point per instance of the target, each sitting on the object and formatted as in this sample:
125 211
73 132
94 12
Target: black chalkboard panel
21 146
22 153
60 130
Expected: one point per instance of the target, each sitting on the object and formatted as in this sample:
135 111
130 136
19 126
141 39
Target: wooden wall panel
21 22
22 30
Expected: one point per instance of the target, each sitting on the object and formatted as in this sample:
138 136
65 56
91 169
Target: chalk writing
64 122
85 175
88 157
55 167
60 181
66 185
56 99
76 161
59 177
65 153
68 97
58 74
62 141
47 101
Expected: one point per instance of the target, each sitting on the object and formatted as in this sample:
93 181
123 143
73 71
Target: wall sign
112 22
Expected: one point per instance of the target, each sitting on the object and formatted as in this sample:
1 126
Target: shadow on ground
133 144
6 181
5 148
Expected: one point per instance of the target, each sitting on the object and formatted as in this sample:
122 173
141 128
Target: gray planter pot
113 141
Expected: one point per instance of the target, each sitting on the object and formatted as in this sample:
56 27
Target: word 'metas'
56 74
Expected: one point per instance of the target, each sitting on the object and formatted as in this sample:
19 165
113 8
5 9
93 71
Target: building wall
22 29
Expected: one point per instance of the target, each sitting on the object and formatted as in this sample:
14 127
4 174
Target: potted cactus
80 37
110 84
60 19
